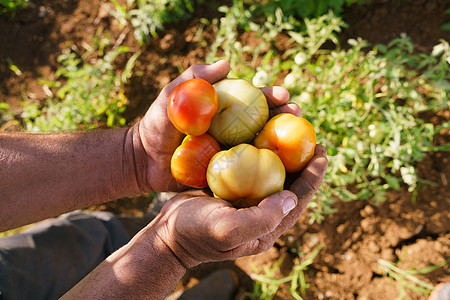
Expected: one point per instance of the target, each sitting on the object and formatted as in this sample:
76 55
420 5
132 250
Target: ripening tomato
292 138
244 175
242 112
190 160
191 106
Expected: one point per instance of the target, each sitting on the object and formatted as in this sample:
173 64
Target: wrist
166 239
135 158
142 269
149 238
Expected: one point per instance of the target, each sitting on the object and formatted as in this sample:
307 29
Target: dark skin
45 175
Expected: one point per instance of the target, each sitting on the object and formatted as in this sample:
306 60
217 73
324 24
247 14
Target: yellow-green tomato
244 175
241 114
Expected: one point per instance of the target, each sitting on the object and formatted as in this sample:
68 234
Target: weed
6 116
12 6
407 278
13 67
149 16
301 9
266 285
446 26
364 103
87 94
366 108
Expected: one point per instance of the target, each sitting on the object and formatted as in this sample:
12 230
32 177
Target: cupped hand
154 138
199 228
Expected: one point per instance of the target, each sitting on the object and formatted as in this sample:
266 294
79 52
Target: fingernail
288 205
280 93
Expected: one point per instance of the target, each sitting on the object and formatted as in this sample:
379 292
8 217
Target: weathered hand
198 228
155 139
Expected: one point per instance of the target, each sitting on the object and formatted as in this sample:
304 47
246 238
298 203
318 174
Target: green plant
87 94
365 103
300 9
407 278
12 6
367 107
13 67
267 284
149 16
244 58
6 115
446 26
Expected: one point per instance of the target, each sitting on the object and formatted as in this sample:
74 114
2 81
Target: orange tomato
292 138
191 106
190 160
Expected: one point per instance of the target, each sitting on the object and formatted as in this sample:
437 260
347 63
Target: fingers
304 187
320 151
311 177
277 98
211 73
275 95
244 225
290 108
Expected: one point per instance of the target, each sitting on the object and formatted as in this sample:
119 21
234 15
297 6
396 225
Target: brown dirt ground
416 233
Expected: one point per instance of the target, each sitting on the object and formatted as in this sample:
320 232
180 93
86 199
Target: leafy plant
407 278
244 58
12 6
364 103
267 284
13 67
446 26
149 16
366 106
300 9
6 116
88 92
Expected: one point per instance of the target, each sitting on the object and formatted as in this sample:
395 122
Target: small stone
340 229
367 211
373 247
171 42
367 226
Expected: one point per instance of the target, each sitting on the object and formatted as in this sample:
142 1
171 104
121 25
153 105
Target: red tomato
190 160
191 106
292 138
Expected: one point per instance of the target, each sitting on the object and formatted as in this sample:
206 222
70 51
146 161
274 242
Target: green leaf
393 182
446 27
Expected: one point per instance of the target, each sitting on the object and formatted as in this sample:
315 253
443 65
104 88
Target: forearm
145 268
44 175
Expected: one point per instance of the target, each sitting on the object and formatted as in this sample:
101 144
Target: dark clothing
47 260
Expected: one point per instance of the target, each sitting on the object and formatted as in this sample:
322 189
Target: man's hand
154 138
198 228
193 227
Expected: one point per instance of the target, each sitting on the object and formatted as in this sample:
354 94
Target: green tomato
242 112
377 132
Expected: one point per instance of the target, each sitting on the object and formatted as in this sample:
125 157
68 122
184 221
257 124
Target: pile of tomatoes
221 122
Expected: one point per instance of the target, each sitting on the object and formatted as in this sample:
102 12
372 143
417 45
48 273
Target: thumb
248 224
280 203
211 73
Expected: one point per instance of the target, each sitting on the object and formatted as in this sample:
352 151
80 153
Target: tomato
244 175
242 112
190 160
292 138
377 132
191 106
